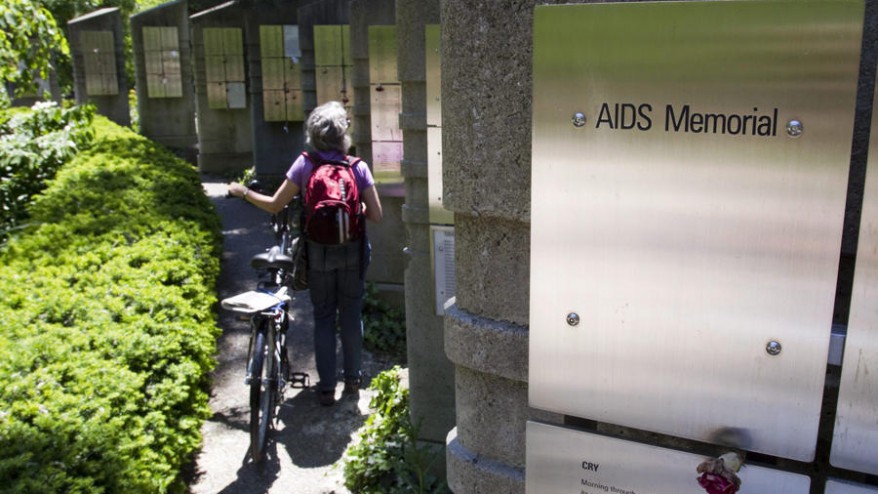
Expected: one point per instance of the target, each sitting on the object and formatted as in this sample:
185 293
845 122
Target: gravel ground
308 440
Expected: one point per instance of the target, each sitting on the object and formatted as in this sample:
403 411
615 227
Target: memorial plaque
689 178
855 445
333 65
281 81
224 68
382 55
161 49
842 487
99 59
567 461
444 279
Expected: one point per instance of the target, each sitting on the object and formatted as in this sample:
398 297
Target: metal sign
333 64
385 100
433 58
281 77
840 487
224 68
567 461
161 49
99 57
855 442
689 177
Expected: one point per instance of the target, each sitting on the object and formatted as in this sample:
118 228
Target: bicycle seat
273 259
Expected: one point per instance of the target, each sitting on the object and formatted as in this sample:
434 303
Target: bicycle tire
259 393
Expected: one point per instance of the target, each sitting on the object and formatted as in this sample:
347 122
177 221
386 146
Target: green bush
383 326
33 146
385 457
107 327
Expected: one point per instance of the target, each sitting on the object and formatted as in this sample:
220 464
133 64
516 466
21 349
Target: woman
335 273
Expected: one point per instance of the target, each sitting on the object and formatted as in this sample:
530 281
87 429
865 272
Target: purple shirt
301 170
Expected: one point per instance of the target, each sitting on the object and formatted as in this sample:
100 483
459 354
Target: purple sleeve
296 173
364 176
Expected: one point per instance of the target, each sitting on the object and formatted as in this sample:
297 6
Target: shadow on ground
309 440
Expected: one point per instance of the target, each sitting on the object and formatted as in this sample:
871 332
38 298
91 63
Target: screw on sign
719 475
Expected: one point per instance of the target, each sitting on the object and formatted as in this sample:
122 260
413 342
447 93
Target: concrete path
309 440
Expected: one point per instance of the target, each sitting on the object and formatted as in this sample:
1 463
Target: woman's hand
237 190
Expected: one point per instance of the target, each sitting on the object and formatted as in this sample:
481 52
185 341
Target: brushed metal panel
855 441
292 47
332 45
233 41
170 38
292 74
842 487
382 55
214 68
272 73
217 95
386 158
271 41
237 95
561 460
444 278
99 59
295 104
685 252
213 41
274 105
438 214
432 60
233 64
334 83
385 107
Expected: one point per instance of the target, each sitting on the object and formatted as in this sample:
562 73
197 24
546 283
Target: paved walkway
309 440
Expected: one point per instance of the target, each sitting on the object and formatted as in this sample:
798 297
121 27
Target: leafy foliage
33 146
386 458
383 326
106 327
29 36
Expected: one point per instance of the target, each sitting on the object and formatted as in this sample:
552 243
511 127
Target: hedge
107 324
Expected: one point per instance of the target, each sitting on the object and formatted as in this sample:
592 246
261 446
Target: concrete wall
115 107
225 138
486 87
431 375
275 144
168 121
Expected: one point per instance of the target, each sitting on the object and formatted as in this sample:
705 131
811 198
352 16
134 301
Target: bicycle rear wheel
261 391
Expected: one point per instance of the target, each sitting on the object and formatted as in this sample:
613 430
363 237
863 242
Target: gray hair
326 128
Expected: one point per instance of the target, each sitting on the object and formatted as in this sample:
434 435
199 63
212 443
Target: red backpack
332 202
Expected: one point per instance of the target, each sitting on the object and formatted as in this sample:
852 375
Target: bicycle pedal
248 380
300 380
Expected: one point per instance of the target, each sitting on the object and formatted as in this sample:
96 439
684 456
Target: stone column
431 377
486 121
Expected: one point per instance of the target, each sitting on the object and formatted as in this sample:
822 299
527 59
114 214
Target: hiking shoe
351 386
327 398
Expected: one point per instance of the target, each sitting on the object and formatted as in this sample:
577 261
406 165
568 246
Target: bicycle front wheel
261 392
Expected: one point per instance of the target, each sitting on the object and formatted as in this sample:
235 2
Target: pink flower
716 484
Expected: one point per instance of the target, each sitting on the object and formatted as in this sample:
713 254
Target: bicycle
268 363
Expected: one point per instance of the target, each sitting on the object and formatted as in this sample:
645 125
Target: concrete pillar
225 138
431 375
486 122
168 120
99 76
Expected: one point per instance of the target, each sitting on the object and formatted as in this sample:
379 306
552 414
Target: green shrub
33 146
107 328
383 326
385 458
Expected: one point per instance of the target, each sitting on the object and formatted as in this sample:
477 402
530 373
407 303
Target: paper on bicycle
250 302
